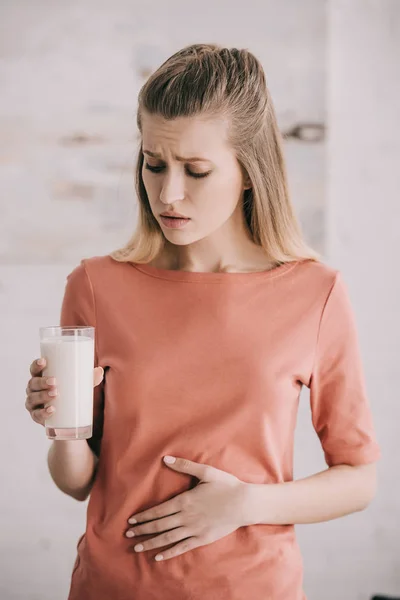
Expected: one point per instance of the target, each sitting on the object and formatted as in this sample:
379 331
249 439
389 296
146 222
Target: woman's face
189 168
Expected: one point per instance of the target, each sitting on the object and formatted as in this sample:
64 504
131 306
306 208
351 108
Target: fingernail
51 381
139 547
132 521
41 361
52 393
50 409
130 534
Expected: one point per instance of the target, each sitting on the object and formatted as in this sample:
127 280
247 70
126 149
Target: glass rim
67 327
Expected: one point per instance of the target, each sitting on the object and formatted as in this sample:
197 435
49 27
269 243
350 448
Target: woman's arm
72 466
333 493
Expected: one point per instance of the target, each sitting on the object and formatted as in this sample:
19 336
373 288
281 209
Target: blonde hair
206 79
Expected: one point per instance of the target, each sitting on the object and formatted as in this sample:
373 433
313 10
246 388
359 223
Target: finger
169 537
168 508
181 548
157 526
36 384
39 415
98 376
36 400
37 367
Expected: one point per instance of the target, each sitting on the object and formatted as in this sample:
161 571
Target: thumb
98 375
199 470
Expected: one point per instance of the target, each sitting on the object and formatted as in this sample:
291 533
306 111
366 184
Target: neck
226 250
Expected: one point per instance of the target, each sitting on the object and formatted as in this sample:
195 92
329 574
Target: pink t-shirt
209 367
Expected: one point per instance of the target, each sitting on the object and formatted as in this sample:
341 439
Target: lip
174 223
170 213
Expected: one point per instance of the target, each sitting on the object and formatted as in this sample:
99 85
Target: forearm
72 467
333 493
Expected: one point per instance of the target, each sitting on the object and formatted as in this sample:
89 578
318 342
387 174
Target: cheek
219 198
151 186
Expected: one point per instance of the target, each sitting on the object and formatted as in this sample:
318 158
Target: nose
172 189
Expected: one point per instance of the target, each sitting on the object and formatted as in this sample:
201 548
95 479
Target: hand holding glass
69 355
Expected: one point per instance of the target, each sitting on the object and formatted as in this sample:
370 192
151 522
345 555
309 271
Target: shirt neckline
212 277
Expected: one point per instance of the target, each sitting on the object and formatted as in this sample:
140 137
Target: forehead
188 136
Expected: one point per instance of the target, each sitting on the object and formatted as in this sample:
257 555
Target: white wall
74 69
363 222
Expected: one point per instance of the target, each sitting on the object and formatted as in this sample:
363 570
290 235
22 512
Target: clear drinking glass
69 354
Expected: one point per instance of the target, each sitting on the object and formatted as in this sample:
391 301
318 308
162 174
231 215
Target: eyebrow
179 158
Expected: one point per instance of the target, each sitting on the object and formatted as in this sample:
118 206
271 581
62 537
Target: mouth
174 222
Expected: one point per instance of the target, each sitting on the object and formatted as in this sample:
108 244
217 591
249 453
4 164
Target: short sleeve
340 409
78 308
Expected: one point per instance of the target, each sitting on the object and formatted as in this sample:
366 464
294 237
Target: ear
247 183
246 180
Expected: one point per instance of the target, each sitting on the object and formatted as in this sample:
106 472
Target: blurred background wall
69 77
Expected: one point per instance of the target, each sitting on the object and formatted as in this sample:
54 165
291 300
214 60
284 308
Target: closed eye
190 173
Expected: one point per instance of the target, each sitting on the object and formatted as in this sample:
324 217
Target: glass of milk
69 354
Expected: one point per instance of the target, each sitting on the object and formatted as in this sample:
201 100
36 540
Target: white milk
70 359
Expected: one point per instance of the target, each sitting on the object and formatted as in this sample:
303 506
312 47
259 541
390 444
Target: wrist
251 504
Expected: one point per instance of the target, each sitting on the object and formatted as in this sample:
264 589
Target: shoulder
327 291
318 277
96 266
100 274
99 264
320 284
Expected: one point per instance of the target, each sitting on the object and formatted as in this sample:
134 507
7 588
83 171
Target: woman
208 324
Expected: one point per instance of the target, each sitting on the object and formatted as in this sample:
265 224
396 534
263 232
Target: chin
180 238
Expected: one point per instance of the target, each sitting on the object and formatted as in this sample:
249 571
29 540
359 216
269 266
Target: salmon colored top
209 367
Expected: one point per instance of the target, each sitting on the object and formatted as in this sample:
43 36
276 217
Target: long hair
207 79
